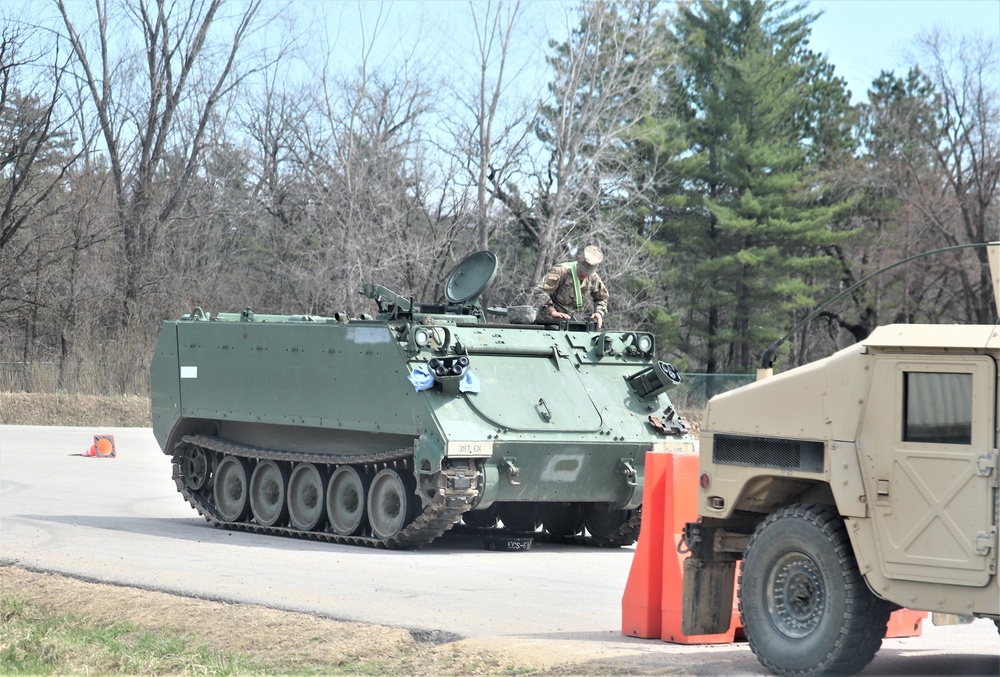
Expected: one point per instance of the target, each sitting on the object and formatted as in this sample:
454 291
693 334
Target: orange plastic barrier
905 623
643 591
651 603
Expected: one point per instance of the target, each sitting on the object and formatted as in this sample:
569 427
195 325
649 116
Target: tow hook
625 467
507 465
690 538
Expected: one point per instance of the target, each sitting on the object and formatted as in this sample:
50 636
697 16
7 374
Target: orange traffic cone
103 447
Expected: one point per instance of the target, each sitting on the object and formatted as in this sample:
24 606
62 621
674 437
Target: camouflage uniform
557 292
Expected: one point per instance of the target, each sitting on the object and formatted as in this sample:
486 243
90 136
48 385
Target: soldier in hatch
571 287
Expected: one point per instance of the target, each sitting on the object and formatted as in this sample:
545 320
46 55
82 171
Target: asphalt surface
121 521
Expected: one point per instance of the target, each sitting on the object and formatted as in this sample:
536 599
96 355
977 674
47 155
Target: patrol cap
588 261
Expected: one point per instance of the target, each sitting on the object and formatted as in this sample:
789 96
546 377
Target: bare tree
492 135
964 72
33 152
343 176
928 178
184 73
600 91
36 155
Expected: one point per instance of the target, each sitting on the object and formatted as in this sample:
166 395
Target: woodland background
157 155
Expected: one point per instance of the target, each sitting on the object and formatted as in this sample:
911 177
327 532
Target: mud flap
707 599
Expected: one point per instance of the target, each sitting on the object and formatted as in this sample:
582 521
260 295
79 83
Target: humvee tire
796 619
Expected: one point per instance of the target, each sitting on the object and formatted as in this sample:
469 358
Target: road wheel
230 488
306 508
561 519
519 516
392 502
346 495
603 519
481 519
805 607
268 486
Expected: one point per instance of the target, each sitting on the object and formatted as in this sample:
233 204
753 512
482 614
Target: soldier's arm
600 295
544 293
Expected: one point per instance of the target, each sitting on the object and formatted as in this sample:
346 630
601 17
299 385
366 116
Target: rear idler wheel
561 519
603 519
195 467
230 488
306 507
346 496
268 487
392 502
519 516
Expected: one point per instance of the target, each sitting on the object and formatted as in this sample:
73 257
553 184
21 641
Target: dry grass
52 624
62 409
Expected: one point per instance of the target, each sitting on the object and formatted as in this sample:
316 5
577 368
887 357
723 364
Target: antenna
767 357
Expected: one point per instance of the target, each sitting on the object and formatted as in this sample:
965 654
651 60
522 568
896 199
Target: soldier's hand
559 316
597 318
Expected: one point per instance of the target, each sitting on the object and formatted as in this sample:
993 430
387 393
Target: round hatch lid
471 277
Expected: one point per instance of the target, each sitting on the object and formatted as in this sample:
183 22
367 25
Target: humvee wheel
305 497
518 516
804 605
346 496
230 488
391 502
195 466
561 519
603 519
267 493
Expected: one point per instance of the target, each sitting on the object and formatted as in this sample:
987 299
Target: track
443 511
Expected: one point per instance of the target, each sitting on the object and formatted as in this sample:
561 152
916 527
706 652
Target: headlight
645 343
421 337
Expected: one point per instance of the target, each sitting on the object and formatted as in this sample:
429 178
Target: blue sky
860 37
863 37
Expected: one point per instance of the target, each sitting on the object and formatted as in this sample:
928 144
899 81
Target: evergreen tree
743 215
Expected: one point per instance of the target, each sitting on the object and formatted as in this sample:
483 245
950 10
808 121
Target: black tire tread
865 615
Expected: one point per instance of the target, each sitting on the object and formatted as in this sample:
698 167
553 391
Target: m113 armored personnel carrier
388 430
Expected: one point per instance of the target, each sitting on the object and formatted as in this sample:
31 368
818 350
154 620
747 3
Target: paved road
121 521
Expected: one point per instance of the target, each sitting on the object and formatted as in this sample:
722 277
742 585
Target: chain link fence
695 390
29 377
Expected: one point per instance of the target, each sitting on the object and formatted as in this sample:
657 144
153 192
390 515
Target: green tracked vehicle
389 430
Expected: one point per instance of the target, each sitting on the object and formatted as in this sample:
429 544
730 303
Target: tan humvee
849 487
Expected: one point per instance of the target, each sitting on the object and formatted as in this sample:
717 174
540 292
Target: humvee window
938 408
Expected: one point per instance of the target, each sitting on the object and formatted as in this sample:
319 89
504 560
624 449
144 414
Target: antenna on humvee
993 248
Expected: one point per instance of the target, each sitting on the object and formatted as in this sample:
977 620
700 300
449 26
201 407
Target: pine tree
743 216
